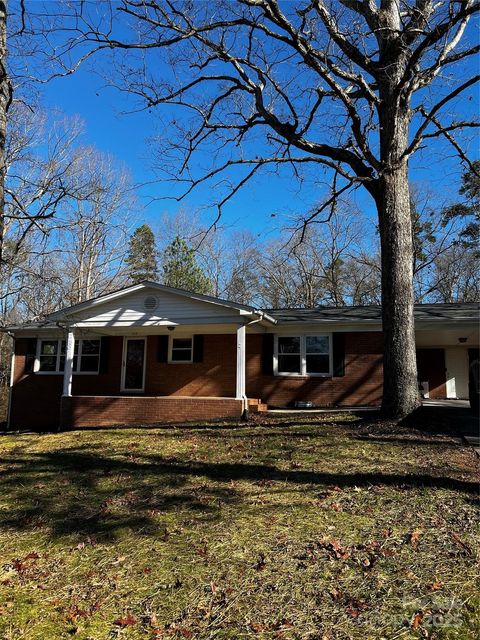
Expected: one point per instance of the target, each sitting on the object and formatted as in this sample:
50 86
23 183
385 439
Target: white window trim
303 356
171 338
57 372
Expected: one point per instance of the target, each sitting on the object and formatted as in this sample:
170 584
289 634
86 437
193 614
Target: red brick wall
82 411
36 398
362 383
215 376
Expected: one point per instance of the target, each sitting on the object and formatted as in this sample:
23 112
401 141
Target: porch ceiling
448 337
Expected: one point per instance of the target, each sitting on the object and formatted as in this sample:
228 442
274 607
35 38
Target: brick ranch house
149 353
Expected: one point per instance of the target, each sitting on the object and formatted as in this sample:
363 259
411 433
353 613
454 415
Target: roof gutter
262 316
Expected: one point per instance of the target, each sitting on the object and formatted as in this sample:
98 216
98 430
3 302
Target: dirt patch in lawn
324 528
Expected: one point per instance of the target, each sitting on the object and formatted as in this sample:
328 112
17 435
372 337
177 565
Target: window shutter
198 348
30 354
267 354
104 354
338 346
162 349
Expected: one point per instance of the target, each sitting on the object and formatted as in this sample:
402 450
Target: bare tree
92 227
65 216
353 86
41 162
364 284
456 276
244 259
315 267
5 102
434 237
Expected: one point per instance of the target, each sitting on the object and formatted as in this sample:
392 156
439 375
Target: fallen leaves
314 556
128 620
25 564
340 552
414 538
265 627
416 620
436 586
74 612
466 549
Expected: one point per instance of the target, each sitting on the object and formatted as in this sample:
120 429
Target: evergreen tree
470 208
180 268
142 255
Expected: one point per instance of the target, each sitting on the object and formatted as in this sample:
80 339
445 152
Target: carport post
240 387
67 372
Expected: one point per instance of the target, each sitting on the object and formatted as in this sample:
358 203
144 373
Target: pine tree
142 255
470 208
180 268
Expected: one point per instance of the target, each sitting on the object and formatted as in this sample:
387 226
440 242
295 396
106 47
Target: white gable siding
172 309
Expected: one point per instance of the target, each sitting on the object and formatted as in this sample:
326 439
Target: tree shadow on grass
80 491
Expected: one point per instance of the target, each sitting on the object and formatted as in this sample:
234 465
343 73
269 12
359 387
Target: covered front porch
159 375
146 354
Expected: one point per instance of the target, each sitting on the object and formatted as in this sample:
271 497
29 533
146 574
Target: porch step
260 407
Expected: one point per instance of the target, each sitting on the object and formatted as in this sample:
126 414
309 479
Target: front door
133 377
431 369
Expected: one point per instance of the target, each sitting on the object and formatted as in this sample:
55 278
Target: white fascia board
326 325
441 323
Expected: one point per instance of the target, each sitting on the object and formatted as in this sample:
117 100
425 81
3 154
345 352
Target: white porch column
240 389
67 372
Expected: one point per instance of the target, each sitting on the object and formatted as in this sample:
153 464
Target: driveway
461 418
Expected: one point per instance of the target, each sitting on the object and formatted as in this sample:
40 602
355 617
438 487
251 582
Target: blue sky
125 136
113 130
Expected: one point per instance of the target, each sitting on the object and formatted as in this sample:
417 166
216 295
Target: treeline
71 234
332 262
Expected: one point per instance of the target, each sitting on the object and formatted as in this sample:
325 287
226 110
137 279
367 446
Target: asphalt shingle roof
373 313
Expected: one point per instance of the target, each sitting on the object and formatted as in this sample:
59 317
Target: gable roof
148 284
95 305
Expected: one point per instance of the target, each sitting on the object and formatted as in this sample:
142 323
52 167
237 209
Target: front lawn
319 529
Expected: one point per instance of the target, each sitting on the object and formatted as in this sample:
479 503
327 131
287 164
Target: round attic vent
150 303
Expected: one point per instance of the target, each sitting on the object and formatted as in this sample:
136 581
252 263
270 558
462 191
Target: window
181 349
89 356
317 354
302 355
289 356
49 352
86 358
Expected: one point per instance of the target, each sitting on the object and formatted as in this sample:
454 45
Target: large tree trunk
400 392
5 99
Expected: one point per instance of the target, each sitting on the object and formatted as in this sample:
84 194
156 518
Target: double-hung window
87 356
303 355
181 349
51 356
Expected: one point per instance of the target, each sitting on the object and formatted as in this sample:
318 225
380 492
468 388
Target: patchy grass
322 529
